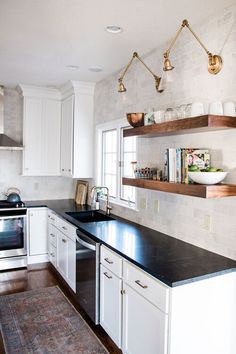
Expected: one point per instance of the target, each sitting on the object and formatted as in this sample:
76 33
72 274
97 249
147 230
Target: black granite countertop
168 259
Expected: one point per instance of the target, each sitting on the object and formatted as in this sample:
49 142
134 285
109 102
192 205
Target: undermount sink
89 216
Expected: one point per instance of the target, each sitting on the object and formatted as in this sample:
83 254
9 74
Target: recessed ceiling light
95 69
72 67
114 29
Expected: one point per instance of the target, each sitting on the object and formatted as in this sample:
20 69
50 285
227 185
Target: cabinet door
110 304
38 244
67 118
62 254
71 263
51 122
32 131
52 254
144 325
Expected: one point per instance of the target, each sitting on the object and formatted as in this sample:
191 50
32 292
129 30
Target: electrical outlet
143 203
207 223
156 206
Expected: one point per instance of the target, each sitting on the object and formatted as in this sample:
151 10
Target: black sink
89 216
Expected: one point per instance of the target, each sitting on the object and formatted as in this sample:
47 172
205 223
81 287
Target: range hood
6 143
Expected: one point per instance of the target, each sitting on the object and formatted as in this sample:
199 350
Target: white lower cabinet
144 325
193 318
111 304
62 254
62 247
37 235
127 313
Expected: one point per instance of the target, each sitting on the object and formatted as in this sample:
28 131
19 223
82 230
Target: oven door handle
88 245
12 217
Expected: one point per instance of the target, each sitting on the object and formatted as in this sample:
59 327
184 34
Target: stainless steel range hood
6 143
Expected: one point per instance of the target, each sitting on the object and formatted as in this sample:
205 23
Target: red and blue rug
43 321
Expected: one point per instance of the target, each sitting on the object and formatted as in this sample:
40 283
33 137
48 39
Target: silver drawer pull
140 284
52 235
108 261
63 240
108 276
64 228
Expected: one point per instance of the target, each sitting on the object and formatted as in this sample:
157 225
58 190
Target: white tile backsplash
183 216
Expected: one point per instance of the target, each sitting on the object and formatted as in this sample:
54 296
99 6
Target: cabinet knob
52 235
140 284
107 275
64 228
122 292
52 254
62 169
63 240
69 170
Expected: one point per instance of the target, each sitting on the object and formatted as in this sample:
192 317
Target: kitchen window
114 157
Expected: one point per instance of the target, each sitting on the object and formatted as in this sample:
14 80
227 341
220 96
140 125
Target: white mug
197 109
229 109
216 108
159 116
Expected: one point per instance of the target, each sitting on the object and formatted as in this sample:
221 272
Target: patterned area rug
43 321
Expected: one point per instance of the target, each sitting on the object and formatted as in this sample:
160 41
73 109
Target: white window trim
115 124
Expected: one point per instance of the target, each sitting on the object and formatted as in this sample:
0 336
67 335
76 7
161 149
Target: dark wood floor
42 276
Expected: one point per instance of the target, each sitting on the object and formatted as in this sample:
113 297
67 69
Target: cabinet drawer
148 287
68 229
52 218
52 235
111 260
52 254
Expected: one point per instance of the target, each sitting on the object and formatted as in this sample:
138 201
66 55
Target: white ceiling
38 38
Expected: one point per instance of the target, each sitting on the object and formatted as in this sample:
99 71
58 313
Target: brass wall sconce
156 78
215 62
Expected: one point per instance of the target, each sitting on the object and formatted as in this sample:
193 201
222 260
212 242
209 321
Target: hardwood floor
42 276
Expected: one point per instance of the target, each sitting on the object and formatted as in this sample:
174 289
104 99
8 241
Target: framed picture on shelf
81 192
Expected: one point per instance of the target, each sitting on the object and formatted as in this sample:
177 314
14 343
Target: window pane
128 149
109 170
110 163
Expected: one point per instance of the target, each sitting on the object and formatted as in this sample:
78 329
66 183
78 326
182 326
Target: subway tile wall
210 224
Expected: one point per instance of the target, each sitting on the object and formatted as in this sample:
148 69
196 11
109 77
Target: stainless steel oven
13 241
87 275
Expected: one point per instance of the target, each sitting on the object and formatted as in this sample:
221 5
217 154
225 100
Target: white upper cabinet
77 129
41 131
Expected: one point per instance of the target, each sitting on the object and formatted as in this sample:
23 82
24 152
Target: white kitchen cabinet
67 123
144 325
62 247
37 235
196 317
62 254
77 130
41 131
111 304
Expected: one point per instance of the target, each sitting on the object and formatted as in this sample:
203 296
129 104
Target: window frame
100 128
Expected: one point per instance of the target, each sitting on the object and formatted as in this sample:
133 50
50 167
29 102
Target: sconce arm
127 67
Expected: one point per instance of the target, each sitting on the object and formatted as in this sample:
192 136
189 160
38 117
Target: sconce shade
167 65
215 64
121 87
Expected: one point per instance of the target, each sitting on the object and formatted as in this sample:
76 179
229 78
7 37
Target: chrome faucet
108 207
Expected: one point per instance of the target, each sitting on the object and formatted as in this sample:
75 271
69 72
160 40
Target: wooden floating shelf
194 190
199 124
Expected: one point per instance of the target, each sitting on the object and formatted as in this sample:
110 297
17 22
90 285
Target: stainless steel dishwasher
87 275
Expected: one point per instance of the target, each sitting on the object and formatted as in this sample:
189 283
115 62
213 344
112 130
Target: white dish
207 177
